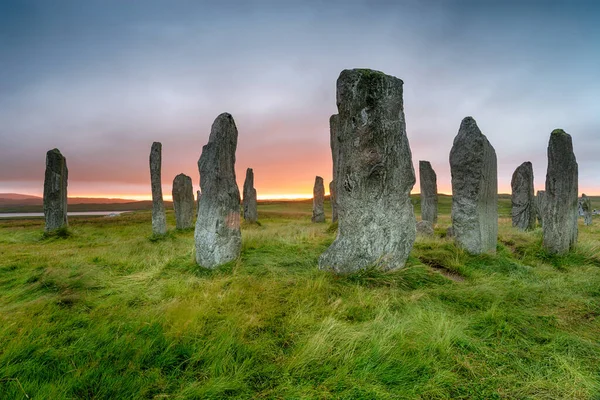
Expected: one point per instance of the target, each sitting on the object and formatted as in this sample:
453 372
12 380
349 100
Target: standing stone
560 209
318 201
429 195
425 228
334 215
540 199
55 191
250 211
198 195
474 189
218 236
523 198
586 205
183 201
159 219
335 148
373 177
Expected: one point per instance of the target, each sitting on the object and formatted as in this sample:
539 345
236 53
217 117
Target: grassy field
110 313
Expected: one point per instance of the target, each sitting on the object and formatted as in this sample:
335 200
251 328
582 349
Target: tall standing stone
334 144
183 201
198 195
586 205
218 236
318 200
473 166
55 191
159 219
250 202
540 200
334 214
373 177
560 209
523 198
429 195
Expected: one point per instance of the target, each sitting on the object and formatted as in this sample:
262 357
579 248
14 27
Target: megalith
586 206
218 237
55 191
523 198
473 166
250 202
318 200
159 218
334 216
183 201
429 195
373 176
540 198
560 208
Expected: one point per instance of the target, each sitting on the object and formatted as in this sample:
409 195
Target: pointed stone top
223 125
156 144
423 163
54 151
559 132
469 124
183 176
318 178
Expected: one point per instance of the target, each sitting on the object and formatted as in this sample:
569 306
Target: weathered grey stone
560 209
474 190
217 235
159 218
334 215
540 199
250 202
450 232
334 144
373 177
198 195
55 191
318 201
429 195
183 201
586 206
523 198
425 228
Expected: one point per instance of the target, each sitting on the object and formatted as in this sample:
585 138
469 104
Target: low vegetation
108 312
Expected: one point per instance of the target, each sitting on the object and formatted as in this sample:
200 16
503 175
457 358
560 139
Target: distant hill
17 196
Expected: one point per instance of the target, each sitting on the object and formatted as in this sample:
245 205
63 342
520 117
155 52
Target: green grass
107 312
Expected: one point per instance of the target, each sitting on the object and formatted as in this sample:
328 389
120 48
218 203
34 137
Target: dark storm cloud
101 80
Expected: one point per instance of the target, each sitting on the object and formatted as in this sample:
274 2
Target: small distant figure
250 202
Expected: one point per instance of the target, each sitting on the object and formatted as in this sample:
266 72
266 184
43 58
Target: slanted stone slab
425 228
334 144
159 218
374 175
474 190
586 206
55 191
540 199
429 195
250 202
334 215
217 235
523 198
560 208
318 201
183 201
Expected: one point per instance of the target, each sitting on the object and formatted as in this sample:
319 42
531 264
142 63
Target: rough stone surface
450 232
250 209
540 199
373 177
159 219
560 208
318 201
217 235
429 195
55 191
183 201
198 195
474 190
335 148
334 215
523 198
586 206
425 228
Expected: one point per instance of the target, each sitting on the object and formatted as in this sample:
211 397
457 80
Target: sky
102 80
